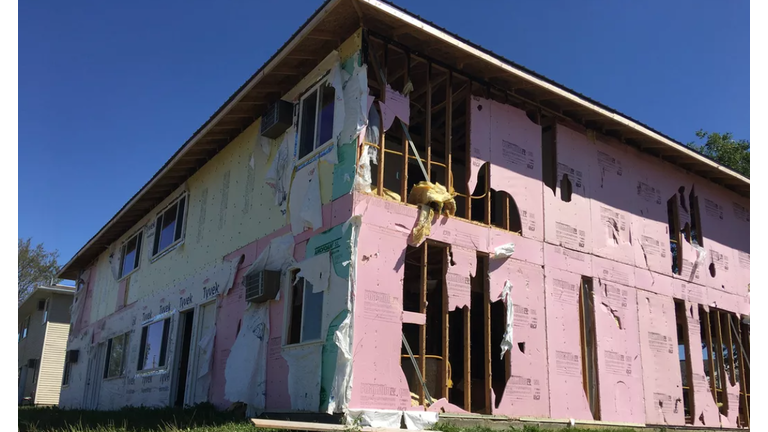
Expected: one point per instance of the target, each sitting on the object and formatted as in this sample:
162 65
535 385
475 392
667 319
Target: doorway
201 376
185 336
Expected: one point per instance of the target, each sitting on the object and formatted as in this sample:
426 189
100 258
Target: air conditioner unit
261 286
72 356
32 363
277 119
41 305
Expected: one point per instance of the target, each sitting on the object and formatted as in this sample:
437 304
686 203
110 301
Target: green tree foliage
725 150
36 266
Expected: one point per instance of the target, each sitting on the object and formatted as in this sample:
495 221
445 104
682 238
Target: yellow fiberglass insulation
430 198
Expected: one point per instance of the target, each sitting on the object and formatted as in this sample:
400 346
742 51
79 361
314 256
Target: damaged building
390 222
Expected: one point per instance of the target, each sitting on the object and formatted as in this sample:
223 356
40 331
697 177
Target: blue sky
108 91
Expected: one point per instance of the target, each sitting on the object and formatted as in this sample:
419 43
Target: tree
725 150
36 266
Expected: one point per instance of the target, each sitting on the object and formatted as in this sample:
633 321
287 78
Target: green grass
201 418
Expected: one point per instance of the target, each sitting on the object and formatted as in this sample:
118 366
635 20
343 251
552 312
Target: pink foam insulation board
378 380
610 185
690 292
454 231
612 271
721 228
566 383
647 280
662 381
619 366
513 147
479 137
528 250
705 410
528 385
650 222
568 217
462 266
566 259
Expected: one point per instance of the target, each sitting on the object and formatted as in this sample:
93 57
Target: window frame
316 146
163 363
292 280
157 252
66 373
108 356
139 236
24 332
45 310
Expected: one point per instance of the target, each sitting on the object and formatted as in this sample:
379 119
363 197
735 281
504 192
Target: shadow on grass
203 417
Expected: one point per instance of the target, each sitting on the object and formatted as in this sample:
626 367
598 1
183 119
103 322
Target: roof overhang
326 29
47 289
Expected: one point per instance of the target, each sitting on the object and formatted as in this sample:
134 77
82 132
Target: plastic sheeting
341 389
280 172
506 295
387 419
304 202
317 271
246 369
363 178
418 420
503 251
277 256
304 363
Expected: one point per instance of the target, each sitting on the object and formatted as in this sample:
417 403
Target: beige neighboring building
43 331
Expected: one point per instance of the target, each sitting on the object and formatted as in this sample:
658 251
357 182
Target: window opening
45 310
589 345
24 328
131 254
169 226
305 313
684 356
696 236
115 356
673 227
566 189
154 345
316 118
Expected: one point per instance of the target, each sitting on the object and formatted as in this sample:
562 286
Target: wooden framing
423 309
682 321
589 350
486 335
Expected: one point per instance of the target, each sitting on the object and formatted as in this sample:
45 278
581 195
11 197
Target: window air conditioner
261 286
32 363
41 305
73 355
277 119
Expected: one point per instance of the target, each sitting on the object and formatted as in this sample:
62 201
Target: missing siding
589 345
566 189
673 228
684 354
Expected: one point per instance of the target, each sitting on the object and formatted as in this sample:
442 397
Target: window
131 254
24 329
115 356
316 119
684 355
305 315
45 310
154 345
589 345
67 372
169 226
673 220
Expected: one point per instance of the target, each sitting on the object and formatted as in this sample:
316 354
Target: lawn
202 418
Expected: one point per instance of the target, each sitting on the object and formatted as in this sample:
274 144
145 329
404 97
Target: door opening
185 336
